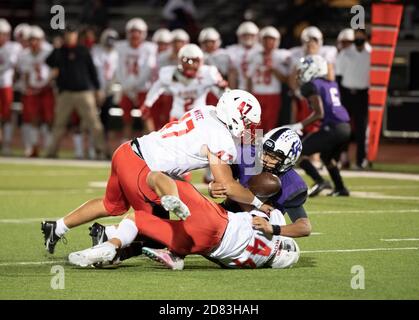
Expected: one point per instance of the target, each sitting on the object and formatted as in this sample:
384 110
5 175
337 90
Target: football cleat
319 187
50 237
176 206
102 253
97 233
339 193
165 257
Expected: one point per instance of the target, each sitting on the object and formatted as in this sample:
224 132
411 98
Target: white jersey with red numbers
239 56
187 92
33 67
9 53
135 66
329 53
180 145
264 81
106 62
220 59
244 247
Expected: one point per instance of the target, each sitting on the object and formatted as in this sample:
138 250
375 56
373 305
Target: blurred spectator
76 75
87 37
353 67
95 13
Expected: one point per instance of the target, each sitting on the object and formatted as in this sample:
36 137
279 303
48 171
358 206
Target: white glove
175 205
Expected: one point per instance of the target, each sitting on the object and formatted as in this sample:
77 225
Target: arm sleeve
154 93
296 213
309 89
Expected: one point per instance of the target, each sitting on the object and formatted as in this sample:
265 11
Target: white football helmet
22 31
209 34
283 144
247 33
137 24
311 33
37 33
347 34
4 26
311 67
286 255
270 32
180 35
238 110
108 37
247 27
162 35
190 58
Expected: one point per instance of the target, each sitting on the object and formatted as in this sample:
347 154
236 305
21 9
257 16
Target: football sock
126 232
110 231
336 177
311 170
78 145
61 228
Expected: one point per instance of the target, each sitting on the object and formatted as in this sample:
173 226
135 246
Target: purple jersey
334 112
294 189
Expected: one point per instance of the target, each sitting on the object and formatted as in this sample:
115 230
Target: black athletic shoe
339 193
50 238
97 232
319 187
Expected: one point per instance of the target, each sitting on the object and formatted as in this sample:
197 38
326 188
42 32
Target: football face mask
190 66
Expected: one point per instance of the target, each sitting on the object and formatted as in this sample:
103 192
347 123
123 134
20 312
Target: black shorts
329 141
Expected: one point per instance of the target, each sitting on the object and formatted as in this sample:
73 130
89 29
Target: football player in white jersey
9 52
160 111
205 136
38 96
105 58
267 69
137 60
239 53
188 83
210 42
233 240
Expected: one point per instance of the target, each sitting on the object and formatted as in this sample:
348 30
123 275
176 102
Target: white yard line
7 192
31 263
398 240
191 257
364 211
377 195
360 250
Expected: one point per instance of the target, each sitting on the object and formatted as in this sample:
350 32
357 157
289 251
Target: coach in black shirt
78 86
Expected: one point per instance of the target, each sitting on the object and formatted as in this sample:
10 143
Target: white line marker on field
365 211
31 263
360 250
396 240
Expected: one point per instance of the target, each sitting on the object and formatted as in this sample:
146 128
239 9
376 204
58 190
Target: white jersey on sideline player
106 62
187 92
182 143
135 66
35 67
244 247
261 84
9 53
